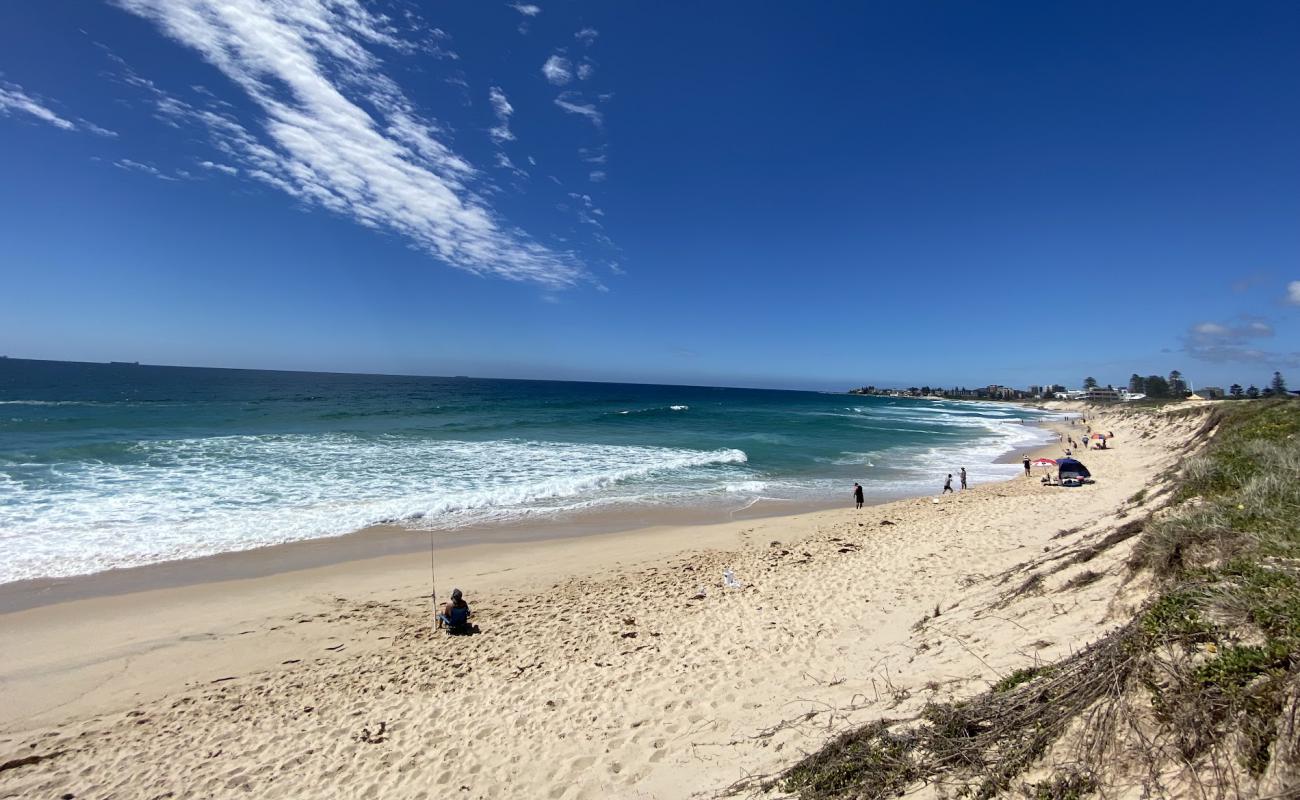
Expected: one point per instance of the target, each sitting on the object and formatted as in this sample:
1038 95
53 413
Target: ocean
105 465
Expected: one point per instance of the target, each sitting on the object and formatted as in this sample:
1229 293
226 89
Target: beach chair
457 622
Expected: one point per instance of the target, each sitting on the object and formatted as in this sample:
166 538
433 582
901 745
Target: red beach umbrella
1043 462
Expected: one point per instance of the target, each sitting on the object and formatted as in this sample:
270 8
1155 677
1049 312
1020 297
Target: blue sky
773 194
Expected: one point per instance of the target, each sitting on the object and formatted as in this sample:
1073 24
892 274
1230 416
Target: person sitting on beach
455 615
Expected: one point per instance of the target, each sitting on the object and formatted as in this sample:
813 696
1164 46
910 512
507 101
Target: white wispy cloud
226 168
527 9
1293 293
14 99
558 70
597 176
504 162
572 103
95 129
148 169
586 70
336 132
593 155
587 36
503 110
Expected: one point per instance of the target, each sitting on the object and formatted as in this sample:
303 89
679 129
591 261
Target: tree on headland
1236 391
1089 383
1136 384
1177 386
1279 384
1252 392
1157 386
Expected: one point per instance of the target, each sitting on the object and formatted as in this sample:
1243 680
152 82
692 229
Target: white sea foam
745 487
652 410
185 498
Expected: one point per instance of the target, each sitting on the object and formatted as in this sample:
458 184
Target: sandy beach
611 665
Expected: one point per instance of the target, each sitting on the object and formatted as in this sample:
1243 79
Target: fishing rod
433 587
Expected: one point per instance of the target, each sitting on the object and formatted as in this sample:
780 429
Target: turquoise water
106 466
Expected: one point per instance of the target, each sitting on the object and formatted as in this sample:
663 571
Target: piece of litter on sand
729 580
701 593
934 500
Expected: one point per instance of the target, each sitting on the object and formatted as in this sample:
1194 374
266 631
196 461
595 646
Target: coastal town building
1100 394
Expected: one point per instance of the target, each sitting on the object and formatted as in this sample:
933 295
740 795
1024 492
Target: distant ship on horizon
124 363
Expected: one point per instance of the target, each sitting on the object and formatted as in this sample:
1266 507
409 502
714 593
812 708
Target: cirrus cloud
572 103
13 98
503 110
558 70
333 130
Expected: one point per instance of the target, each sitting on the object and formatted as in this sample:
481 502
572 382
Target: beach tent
1066 465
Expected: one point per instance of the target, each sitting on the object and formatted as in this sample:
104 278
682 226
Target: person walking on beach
1026 463
963 479
857 494
947 485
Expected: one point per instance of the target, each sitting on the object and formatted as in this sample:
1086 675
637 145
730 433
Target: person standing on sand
947 485
857 494
1026 463
963 479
